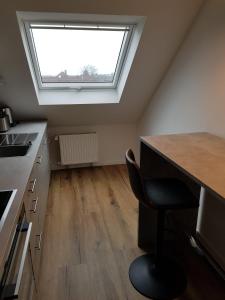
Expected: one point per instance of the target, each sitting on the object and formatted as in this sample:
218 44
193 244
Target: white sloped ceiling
165 28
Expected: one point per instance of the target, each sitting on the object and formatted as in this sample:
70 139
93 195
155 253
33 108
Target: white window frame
91 95
78 85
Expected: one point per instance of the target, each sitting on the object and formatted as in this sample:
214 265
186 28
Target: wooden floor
90 240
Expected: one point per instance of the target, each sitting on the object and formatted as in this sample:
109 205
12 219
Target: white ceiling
165 28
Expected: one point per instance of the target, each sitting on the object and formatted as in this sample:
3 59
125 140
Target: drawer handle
39 159
15 294
35 203
46 141
33 183
38 247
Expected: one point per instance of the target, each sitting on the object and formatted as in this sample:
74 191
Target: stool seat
168 193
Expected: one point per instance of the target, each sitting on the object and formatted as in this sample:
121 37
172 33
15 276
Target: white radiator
78 148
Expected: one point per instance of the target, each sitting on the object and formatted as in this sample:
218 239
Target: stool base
162 281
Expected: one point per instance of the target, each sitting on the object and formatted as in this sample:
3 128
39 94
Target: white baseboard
108 163
98 164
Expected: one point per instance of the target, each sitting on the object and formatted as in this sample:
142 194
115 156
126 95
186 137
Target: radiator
78 148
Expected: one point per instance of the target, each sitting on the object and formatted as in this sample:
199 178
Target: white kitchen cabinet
35 201
43 175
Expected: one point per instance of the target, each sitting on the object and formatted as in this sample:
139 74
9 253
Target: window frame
79 85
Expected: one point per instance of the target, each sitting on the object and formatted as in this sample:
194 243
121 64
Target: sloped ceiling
166 25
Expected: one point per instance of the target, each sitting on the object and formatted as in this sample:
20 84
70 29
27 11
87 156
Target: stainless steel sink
14 150
16 144
6 199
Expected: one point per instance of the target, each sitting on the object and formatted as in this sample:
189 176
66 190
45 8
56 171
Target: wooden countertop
200 155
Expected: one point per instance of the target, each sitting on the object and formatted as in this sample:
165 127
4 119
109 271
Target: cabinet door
31 201
35 200
43 178
31 193
43 174
36 256
27 287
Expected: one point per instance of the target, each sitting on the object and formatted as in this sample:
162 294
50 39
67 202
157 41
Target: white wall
192 94
113 142
192 98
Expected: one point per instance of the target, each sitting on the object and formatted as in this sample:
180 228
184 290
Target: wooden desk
199 160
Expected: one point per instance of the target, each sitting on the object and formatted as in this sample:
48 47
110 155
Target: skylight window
79 58
77 55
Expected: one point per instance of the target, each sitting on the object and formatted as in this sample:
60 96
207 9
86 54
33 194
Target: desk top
200 155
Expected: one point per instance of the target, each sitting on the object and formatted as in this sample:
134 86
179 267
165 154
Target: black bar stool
154 275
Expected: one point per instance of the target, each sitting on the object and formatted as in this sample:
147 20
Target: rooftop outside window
79 59
77 55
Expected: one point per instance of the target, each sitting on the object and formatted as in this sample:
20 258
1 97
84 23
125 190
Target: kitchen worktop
14 174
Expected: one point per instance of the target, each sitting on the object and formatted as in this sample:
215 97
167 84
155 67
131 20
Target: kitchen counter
14 174
200 155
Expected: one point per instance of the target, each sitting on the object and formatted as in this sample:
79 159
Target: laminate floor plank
87 236
90 240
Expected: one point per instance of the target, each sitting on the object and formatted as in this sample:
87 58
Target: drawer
35 200
31 195
32 206
36 248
